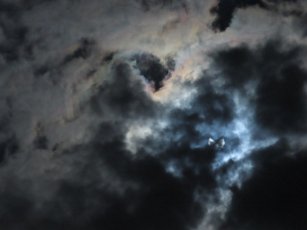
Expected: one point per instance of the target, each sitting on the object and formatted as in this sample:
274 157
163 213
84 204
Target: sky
106 109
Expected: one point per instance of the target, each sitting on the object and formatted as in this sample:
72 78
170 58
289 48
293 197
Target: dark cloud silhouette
161 199
151 68
225 10
274 197
83 51
280 93
53 69
40 71
114 189
65 156
238 64
137 193
155 188
108 57
40 141
123 95
281 100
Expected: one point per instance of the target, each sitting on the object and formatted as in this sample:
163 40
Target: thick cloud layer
280 93
274 197
106 109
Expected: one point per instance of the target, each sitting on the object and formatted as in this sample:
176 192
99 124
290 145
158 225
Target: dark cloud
14 204
80 174
40 71
160 202
41 142
282 100
53 69
14 42
13 31
110 187
237 63
192 166
158 199
8 147
123 95
280 93
141 194
225 10
83 51
8 141
168 183
152 69
108 57
274 197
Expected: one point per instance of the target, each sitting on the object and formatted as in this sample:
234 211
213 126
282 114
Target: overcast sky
107 109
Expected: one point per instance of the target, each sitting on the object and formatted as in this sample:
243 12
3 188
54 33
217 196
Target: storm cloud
107 109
